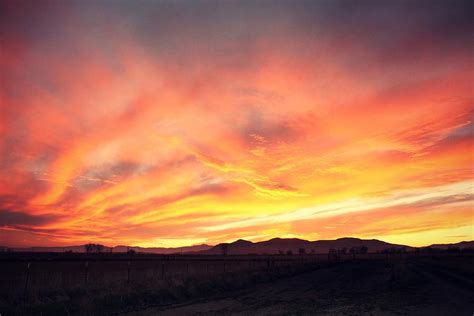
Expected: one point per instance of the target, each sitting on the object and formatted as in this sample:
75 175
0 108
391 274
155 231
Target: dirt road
405 287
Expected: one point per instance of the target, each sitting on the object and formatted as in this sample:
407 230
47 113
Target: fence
21 274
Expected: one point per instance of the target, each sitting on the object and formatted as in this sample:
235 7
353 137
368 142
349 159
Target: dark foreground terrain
425 286
396 285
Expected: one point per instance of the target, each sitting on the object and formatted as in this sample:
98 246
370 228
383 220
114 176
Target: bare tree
353 252
94 248
89 248
333 254
99 248
358 250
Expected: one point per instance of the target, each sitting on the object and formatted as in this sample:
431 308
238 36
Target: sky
173 123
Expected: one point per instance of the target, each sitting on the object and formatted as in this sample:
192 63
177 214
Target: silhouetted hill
282 245
460 245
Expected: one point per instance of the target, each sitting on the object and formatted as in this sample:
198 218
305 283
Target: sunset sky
172 123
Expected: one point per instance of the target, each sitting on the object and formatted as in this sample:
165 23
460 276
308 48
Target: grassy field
423 286
101 284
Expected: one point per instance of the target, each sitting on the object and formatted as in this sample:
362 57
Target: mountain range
272 246
283 245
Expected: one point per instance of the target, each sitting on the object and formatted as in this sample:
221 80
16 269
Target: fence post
27 278
162 269
87 272
128 271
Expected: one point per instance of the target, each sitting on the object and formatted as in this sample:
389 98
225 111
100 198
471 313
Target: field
407 287
96 284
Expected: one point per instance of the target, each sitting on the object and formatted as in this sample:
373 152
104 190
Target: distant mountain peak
354 239
241 241
276 238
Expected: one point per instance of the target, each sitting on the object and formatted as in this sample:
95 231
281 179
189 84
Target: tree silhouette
358 250
333 254
353 252
94 248
89 248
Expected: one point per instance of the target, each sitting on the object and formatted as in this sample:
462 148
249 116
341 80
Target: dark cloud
14 218
445 200
463 135
466 130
